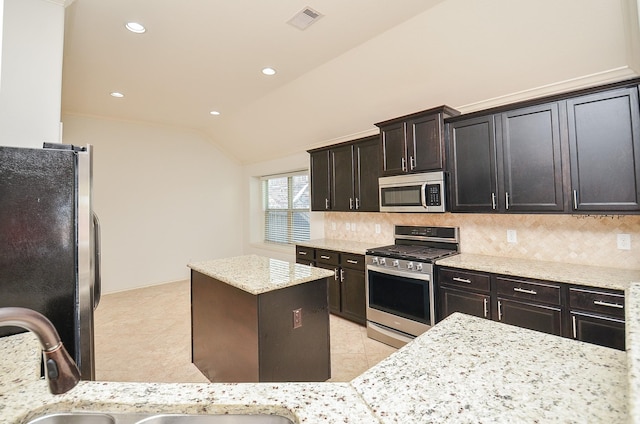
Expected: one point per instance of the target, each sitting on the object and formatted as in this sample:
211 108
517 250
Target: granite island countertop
258 274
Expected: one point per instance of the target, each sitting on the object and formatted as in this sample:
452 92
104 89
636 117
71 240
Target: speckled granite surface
258 274
356 247
610 278
19 360
469 369
632 328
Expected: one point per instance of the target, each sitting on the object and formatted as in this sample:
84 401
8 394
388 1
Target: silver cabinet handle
486 307
493 201
326 203
575 333
610 305
351 261
341 275
325 257
526 291
506 199
357 203
335 274
575 199
462 280
350 202
412 162
499 311
404 164
301 253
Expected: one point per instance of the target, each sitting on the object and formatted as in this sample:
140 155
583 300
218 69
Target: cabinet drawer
597 301
530 290
327 257
466 279
306 253
353 261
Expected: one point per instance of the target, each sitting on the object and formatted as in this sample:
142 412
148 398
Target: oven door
399 303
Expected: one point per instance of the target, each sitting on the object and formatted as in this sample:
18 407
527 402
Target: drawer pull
351 261
325 257
499 310
526 291
610 305
486 309
575 332
302 253
462 280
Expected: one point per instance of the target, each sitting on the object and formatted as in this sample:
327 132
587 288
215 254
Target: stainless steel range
400 287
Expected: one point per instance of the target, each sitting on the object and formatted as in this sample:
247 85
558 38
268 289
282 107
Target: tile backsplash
577 239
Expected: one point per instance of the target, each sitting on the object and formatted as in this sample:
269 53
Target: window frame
290 210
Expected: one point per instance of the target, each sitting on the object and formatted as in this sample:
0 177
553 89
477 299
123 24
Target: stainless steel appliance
400 285
49 242
424 192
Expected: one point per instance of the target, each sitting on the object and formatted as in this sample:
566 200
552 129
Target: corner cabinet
575 152
414 143
583 313
344 177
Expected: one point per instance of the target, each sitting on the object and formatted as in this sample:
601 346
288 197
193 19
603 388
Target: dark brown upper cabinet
604 145
574 152
414 143
344 177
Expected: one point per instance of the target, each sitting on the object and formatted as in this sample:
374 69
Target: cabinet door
342 197
532 163
320 181
394 148
470 303
425 144
367 170
334 287
547 319
473 165
600 330
604 141
353 304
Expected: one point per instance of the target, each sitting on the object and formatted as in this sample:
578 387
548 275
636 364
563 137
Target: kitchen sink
124 418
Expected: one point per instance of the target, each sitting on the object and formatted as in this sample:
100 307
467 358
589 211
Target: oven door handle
399 273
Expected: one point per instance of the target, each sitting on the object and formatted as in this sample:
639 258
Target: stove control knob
396 263
383 261
418 267
375 260
410 265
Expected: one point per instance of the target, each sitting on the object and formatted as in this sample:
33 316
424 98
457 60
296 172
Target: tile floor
145 335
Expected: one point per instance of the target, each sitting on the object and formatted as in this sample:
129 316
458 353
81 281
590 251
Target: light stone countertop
607 278
632 329
356 247
258 274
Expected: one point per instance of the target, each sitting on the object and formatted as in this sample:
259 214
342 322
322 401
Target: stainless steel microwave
424 192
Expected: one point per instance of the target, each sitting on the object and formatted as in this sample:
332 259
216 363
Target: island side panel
295 354
224 330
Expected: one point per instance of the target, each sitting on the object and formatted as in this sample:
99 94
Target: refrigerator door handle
97 286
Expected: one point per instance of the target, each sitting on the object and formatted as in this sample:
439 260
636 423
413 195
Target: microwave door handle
423 195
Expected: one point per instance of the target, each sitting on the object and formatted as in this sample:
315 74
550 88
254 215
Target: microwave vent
303 19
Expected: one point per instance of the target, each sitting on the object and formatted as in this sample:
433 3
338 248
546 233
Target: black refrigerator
49 242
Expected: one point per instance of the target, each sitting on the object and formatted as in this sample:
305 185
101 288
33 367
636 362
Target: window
286 208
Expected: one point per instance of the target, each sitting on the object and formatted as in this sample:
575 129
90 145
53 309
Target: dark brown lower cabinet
470 303
334 287
600 330
543 318
353 304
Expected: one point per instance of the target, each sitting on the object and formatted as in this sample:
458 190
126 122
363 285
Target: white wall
31 78
253 216
164 196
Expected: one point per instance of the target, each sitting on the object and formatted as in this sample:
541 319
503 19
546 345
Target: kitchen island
257 319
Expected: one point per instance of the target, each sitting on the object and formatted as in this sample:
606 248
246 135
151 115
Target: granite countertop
607 278
355 247
258 274
632 329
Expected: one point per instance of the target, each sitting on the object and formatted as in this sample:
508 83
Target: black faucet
62 372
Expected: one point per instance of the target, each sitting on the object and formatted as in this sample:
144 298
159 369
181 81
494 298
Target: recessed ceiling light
268 71
135 27
116 94
214 113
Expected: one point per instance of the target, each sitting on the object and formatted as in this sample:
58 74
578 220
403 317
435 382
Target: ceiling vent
303 19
